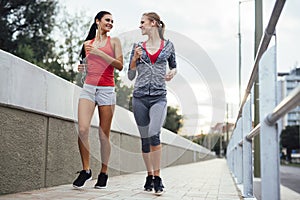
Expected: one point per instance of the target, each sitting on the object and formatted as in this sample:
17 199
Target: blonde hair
152 16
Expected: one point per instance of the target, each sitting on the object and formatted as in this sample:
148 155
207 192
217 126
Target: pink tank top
99 72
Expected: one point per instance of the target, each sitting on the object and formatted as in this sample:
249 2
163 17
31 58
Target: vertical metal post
279 98
227 128
258 35
240 50
228 156
234 153
239 152
270 182
247 152
240 54
235 162
231 156
221 146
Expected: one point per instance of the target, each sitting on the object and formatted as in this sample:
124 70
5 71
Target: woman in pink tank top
103 55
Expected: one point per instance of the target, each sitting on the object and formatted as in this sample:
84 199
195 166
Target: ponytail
91 35
161 29
92 32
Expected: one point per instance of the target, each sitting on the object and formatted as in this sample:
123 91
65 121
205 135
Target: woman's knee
83 131
104 134
104 138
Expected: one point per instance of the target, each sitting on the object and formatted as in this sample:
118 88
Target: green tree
26 27
26 32
289 139
71 30
123 93
174 121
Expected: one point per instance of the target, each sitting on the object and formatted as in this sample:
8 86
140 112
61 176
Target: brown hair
152 16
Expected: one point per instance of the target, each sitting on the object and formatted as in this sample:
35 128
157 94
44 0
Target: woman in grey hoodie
149 59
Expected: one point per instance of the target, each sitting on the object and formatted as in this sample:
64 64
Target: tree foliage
27 32
123 93
26 28
174 121
289 139
71 30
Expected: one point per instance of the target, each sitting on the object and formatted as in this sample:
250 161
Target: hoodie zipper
150 65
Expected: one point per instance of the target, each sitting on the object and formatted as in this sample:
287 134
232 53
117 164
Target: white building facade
289 82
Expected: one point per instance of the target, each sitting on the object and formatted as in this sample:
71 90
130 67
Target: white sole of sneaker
159 193
98 187
80 187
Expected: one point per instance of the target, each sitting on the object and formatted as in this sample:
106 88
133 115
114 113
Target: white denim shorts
101 95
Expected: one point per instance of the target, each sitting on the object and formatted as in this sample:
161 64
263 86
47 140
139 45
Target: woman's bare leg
106 115
156 158
85 112
148 163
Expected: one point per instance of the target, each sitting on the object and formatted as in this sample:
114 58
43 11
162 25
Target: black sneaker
158 186
82 178
149 183
102 180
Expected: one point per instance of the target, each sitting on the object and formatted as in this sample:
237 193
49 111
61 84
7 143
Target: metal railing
239 149
269 31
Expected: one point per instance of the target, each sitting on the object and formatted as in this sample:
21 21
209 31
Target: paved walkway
207 180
